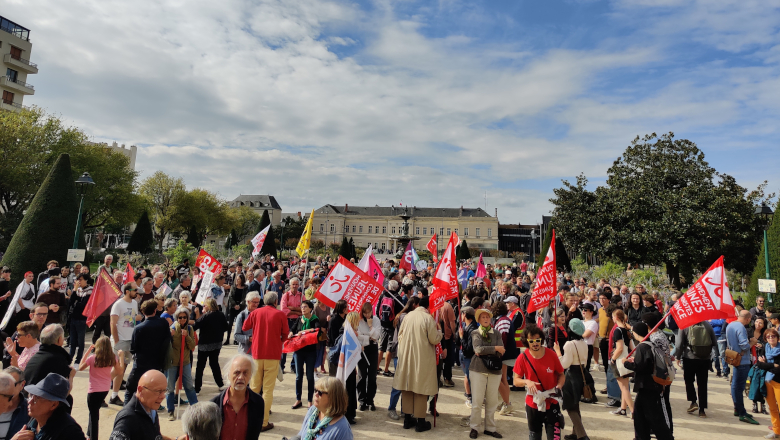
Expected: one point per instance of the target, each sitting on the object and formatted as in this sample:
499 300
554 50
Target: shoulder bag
586 391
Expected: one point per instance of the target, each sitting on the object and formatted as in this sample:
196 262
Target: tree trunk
673 272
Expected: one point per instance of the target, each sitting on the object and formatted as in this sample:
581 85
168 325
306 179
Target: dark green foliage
269 246
352 247
462 252
345 250
232 239
194 237
759 272
46 231
545 246
142 240
265 220
562 260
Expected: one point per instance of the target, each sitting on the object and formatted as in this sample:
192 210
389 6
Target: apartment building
15 50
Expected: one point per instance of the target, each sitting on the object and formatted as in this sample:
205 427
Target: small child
104 366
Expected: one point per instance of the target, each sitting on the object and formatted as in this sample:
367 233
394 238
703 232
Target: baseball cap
511 299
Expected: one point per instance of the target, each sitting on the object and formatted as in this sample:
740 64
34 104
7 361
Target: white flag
349 355
363 264
205 288
259 240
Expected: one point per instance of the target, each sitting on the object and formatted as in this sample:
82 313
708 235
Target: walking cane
179 381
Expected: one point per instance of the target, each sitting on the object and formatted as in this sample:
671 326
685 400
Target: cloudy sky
427 103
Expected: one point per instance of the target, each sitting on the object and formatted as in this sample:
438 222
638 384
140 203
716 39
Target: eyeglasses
767 336
158 392
19 335
535 341
7 396
181 317
319 393
41 315
130 289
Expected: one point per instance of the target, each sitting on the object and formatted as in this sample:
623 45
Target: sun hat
53 387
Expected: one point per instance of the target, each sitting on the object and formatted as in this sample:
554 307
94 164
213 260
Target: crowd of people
161 326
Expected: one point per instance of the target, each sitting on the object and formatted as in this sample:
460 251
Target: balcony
9 105
17 85
14 29
20 63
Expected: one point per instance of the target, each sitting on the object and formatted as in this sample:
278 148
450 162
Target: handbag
732 357
492 362
617 365
586 391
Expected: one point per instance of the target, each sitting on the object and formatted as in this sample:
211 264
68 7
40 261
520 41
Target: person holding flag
305 241
349 351
738 341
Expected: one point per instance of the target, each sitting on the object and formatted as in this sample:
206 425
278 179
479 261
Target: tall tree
351 247
163 194
244 221
759 271
142 240
462 252
47 229
194 237
269 246
345 250
203 212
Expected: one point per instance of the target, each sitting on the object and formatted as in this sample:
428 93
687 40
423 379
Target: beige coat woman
417 340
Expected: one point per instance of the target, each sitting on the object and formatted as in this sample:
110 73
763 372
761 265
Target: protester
124 315
737 339
244 338
757 390
758 310
27 334
13 409
540 372
334 330
26 302
395 394
55 299
449 325
326 419
270 330
306 356
389 305
485 373
169 308
291 306
574 360
139 420
503 326
620 343
416 373
150 344
468 325
49 411
351 319
182 345
78 322
212 325
368 332
323 313
693 350
104 366
201 421
769 363
50 358
236 302
238 404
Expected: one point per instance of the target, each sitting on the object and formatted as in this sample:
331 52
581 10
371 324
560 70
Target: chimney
461 210
496 212
346 207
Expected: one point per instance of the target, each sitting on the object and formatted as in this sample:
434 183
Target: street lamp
83 185
281 239
765 214
533 244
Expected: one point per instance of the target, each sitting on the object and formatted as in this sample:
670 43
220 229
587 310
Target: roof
256 201
394 211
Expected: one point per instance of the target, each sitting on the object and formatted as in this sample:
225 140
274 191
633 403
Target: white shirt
126 313
570 358
593 326
25 287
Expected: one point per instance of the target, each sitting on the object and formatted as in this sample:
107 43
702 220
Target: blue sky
435 102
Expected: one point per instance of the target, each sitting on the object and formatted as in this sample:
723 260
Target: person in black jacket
306 356
50 358
649 408
388 307
468 325
212 325
133 422
239 395
48 403
150 344
334 325
78 322
236 302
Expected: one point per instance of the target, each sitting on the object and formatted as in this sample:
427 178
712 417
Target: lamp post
533 244
83 185
281 239
765 213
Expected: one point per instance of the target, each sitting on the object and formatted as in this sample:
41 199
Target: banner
206 263
349 356
408 262
463 278
481 270
300 340
205 288
129 275
165 289
104 293
345 281
305 242
446 277
370 265
709 298
546 281
437 299
433 248
258 241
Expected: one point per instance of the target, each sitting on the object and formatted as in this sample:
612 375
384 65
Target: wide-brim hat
480 312
53 387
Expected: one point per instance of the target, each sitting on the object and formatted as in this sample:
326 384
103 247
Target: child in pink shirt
104 366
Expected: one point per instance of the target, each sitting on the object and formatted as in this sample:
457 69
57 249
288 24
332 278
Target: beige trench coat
417 339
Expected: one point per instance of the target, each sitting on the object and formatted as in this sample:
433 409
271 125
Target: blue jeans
307 359
394 396
465 364
186 383
738 388
78 329
722 358
613 389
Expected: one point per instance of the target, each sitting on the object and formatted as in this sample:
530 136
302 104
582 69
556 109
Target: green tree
352 248
759 271
345 250
194 237
462 252
163 193
177 254
244 221
269 246
232 239
46 231
203 212
142 240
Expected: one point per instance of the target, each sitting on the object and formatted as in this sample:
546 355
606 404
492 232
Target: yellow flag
305 242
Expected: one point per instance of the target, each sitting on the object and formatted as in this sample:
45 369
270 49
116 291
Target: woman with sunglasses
325 419
770 362
181 329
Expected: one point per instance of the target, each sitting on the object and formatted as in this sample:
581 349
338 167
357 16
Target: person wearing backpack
650 412
694 350
388 306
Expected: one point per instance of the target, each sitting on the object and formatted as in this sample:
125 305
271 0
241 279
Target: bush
183 250
142 240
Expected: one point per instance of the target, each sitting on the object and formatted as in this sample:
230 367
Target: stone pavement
599 423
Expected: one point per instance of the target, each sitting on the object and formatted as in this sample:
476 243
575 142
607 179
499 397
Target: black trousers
94 400
590 357
696 370
650 414
550 420
351 388
132 381
102 325
231 317
366 388
216 371
446 344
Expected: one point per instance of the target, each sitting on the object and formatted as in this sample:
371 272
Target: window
8 97
332 227
393 229
383 246
449 231
11 74
353 228
376 231
417 230
441 231
384 230
425 231
361 229
456 231
477 232
465 232
376 246
346 228
322 227
490 232
16 53
369 229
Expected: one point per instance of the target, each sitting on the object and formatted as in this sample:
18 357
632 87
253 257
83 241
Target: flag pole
651 331
181 369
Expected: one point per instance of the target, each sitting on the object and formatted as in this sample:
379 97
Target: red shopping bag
302 339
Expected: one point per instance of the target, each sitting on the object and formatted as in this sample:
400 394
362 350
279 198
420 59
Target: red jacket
269 331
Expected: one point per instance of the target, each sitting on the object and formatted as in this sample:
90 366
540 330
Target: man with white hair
13 409
244 338
50 358
107 263
201 422
238 401
255 281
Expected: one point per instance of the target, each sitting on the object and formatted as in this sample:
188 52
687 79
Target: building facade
377 225
15 50
129 152
260 203
519 238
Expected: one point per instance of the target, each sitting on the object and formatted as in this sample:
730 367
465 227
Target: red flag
546 281
446 277
709 298
346 281
407 262
437 298
129 275
104 294
433 248
481 270
207 263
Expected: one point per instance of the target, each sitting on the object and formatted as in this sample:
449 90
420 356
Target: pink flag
709 298
546 281
407 261
346 281
370 266
481 270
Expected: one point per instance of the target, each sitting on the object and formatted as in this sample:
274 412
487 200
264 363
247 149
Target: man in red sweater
269 331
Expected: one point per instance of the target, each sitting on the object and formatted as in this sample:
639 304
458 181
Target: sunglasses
130 290
319 393
535 341
181 317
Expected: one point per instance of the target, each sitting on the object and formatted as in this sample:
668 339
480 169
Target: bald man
138 420
738 340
